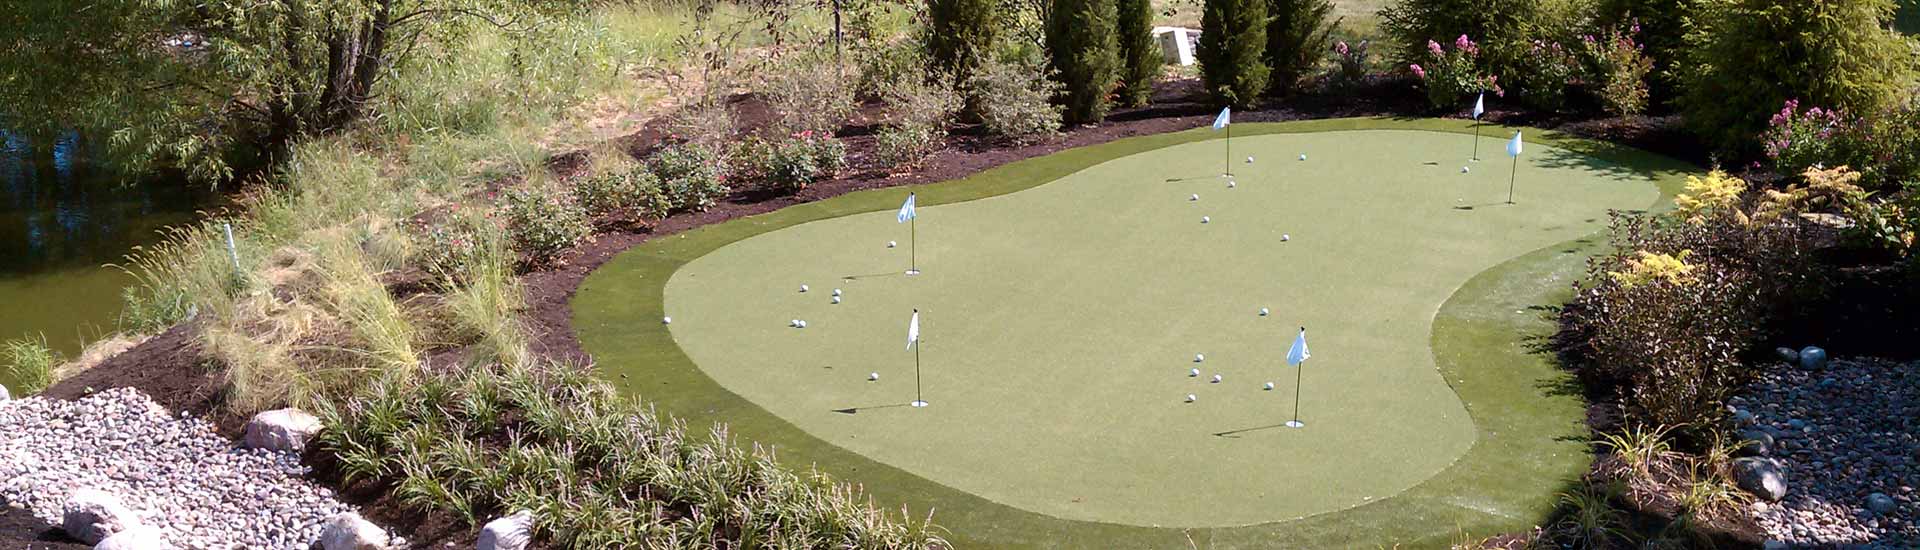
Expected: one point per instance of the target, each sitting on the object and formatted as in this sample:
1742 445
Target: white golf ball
1263 312
891 244
1249 160
1205 219
1194 372
1199 357
1303 156
803 288
794 323
836 299
1216 379
803 324
1285 237
1229 184
1463 169
1195 197
1191 398
1269 385
836 292
876 376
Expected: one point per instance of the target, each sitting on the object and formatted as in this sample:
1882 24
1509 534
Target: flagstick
913 244
1476 139
1297 370
1510 177
1229 157
918 401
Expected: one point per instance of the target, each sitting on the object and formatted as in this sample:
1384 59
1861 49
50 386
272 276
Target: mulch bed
170 368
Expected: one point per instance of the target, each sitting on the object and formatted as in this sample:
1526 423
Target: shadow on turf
1235 434
870 275
856 410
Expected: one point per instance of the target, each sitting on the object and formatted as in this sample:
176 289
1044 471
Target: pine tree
959 35
1298 37
1085 57
1139 55
1233 40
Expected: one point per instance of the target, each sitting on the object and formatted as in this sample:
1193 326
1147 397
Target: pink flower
1340 47
1435 48
1463 44
1417 71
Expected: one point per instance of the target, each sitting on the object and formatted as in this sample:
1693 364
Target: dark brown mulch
167 367
22 530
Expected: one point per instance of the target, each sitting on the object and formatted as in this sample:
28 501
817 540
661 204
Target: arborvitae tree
959 35
1233 42
1139 56
1085 56
1298 37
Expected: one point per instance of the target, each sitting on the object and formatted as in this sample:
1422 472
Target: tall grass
189 271
381 331
485 304
29 364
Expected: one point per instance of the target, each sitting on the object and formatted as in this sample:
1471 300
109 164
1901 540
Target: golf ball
1194 372
1263 312
1205 219
794 323
1229 184
803 288
1199 357
876 376
1191 398
666 320
803 324
1269 385
836 299
1195 197
1249 160
891 244
1303 156
836 292
1463 169
1216 379
1285 237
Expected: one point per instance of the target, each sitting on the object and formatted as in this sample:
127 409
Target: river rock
349 531
140 537
1760 476
507 533
1755 443
92 515
1788 355
1880 503
282 430
1812 357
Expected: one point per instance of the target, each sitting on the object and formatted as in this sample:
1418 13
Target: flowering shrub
1550 70
629 191
1015 99
1452 74
694 175
1619 66
448 248
1351 64
793 163
542 222
1797 139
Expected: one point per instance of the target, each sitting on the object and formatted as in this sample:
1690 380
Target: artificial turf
1060 322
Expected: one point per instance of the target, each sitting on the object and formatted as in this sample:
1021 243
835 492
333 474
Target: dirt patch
167 367
19 529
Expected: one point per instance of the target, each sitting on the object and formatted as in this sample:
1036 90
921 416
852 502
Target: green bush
29 363
808 94
694 175
1014 99
447 247
1298 37
543 222
1140 56
1747 57
1619 67
1505 29
628 188
919 112
1232 50
793 163
959 35
1450 75
1660 27
1351 65
1551 72
1084 55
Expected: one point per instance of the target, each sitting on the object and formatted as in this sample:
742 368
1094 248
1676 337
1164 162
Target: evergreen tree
1298 37
1233 41
1139 55
1084 55
959 35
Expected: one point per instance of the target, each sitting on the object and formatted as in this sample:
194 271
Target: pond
64 217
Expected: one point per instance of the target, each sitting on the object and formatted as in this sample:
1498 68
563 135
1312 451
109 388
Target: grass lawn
1060 321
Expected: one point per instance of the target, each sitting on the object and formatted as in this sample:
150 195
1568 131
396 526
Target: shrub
448 247
1014 100
1619 68
919 113
808 94
29 363
694 175
1232 50
959 35
1797 139
1351 65
1450 75
1084 56
543 222
1140 56
1297 39
1749 56
1504 27
892 63
626 189
1552 71
793 163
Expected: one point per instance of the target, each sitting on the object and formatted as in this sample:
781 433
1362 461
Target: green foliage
1351 65
919 112
29 363
1660 27
1552 70
624 189
1014 99
449 246
791 164
1619 67
959 35
1140 56
543 222
1504 29
1232 50
1084 55
1452 74
807 94
693 173
1747 57
1298 37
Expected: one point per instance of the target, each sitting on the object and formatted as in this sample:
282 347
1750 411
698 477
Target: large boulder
1755 443
140 537
92 515
282 430
1812 357
507 533
1760 476
349 531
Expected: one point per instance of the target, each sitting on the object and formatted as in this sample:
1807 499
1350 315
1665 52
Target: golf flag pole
913 343
1297 357
908 215
1513 150
1225 122
1479 108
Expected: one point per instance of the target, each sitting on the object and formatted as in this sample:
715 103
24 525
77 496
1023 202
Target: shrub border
1528 414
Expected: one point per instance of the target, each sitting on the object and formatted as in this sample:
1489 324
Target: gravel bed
196 487
1848 438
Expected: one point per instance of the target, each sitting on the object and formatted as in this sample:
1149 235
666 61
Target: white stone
4 395
1216 379
139 537
349 531
92 515
282 430
1191 398
1177 45
1269 386
507 533
1205 219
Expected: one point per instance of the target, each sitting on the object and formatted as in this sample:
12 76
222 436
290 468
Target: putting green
1060 322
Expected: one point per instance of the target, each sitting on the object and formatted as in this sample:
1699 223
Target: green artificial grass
1060 321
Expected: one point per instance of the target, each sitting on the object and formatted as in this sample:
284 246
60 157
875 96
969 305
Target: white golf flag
906 210
913 330
1225 118
1479 105
1299 354
1513 145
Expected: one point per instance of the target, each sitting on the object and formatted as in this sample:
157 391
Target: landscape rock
4 394
1812 357
1880 503
508 533
1788 354
92 515
1844 436
1760 476
140 537
1756 443
349 531
282 430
